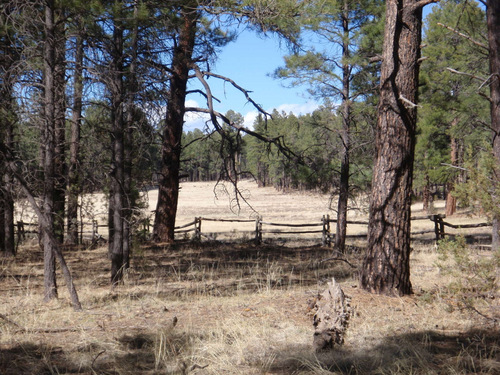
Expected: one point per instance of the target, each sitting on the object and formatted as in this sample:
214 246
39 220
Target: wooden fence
262 228
324 227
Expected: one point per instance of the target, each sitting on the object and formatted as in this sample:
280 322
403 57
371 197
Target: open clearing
234 308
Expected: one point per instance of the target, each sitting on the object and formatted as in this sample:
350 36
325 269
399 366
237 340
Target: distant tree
74 186
386 266
452 114
329 74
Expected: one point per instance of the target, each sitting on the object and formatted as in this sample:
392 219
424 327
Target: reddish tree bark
168 193
386 266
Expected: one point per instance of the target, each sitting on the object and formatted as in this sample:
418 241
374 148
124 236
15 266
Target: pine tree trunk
60 135
48 146
8 211
426 199
493 20
386 266
117 204
129 126
7 243
74 148
345 137
168 193
451 201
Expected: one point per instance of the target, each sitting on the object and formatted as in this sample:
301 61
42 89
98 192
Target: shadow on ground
475 352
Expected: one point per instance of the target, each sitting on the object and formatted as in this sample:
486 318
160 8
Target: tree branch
421 4
238 87
479 44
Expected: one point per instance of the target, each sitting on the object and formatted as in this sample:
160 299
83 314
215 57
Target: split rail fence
262 227
324 228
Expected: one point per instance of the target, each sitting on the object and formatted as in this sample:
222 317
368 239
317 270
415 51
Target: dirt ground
236 308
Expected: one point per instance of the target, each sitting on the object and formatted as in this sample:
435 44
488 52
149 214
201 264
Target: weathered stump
331 318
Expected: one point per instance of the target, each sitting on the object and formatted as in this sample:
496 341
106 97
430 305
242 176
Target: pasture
235 308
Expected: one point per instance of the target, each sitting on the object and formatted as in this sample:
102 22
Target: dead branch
482 79
479 44
410 103
238 87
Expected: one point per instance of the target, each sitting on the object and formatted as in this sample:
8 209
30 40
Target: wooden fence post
258 230
197 228
326 230
438 226
20 232
95 230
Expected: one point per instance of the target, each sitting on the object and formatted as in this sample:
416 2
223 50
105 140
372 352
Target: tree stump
331 318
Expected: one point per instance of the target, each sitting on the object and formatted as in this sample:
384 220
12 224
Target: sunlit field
231 307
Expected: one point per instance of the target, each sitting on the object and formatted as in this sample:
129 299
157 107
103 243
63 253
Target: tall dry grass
230 309
233 308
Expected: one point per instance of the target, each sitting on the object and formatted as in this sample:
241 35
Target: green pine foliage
451 106
312 137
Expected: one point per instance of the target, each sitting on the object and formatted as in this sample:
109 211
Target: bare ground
233 308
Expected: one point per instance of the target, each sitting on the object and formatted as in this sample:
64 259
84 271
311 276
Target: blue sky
250 61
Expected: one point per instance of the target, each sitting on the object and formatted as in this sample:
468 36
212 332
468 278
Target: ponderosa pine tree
339 24
9 56
452 114
168 193
386 266
493 21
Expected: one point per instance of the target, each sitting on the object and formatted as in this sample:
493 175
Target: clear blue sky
250 62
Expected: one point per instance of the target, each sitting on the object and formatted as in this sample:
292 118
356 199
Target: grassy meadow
230 307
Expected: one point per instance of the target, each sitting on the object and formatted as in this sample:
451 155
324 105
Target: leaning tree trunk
386 266
493 20
168 193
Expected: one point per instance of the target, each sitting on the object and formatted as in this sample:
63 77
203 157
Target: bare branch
455 167
482 79
410 103
420 4
238 87
479 44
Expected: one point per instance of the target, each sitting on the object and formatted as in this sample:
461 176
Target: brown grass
231 308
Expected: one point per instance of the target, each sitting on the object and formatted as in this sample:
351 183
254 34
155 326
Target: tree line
93 99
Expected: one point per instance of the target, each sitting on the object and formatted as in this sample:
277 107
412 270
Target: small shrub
473 276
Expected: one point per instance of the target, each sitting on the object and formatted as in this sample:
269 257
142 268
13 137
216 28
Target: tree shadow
427 352
30 358
224 269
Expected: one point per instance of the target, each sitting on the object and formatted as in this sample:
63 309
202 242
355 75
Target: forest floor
235 308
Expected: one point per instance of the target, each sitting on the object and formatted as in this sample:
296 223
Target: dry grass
231 309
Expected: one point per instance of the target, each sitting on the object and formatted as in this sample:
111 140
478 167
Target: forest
93 101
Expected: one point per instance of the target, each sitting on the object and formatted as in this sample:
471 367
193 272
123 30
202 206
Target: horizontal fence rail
261 228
